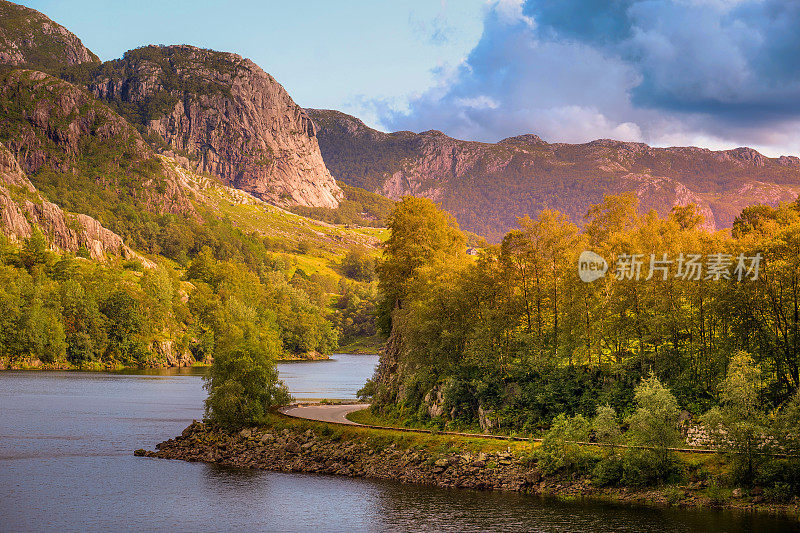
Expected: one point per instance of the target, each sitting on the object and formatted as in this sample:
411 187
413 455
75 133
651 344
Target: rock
74 126
140 453
485 419
242 127
437 166
27 37
64 231
737 493
246 432
435 402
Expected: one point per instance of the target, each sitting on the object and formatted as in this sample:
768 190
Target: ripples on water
66 464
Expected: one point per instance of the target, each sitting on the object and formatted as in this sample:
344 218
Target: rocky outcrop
55 124
168 351
22 208
488 185
226 116
28 38
293 450
361 453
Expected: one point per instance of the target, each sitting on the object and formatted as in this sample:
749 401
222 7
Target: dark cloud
709 71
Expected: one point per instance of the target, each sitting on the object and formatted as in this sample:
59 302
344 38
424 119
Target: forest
65 310
514 342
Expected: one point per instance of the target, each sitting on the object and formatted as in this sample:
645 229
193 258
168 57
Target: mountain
80 152
486 186
224 115
22 207
28 38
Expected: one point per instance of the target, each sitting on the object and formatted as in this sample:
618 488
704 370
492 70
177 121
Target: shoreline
299 446
6 365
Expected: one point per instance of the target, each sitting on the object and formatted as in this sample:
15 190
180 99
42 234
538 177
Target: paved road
325 413
337 414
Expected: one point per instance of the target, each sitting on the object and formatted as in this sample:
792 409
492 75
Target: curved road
337 414
325 413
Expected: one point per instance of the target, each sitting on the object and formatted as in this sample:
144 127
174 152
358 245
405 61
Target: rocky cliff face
22 207
28 38
226 116
486 186
67 140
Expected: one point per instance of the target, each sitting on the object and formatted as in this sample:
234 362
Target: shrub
559 451
654 425
608 471
242 385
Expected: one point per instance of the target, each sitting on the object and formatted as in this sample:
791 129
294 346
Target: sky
711 73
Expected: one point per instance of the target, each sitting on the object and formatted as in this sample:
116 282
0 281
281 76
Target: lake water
66 464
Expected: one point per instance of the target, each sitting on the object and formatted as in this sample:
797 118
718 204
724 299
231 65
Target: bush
242 385
559 451
780 478
608 471
648 467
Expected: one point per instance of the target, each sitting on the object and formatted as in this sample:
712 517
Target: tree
358 265
739 424
687 216
243 383
124 324
654 424
560 449
34 250
421 234
605 425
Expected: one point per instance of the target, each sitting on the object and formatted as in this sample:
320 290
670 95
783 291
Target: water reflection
66 464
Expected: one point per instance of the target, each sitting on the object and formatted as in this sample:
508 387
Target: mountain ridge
486 186
28 37
224 115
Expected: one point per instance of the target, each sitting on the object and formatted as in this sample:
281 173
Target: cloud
436 30
721 72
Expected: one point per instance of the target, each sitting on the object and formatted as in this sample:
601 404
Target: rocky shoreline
326 450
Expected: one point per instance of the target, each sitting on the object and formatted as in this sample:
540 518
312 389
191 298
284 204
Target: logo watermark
689 267
591 266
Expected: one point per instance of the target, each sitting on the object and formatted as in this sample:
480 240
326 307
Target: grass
328 241
380 438
364 346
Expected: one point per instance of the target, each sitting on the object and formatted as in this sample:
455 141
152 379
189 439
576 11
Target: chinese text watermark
689 267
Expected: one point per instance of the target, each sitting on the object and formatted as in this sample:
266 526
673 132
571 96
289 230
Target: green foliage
605 425
124 326
422 236
243 382
34 250
559 451
739 424
354 311
358 264
359 207
62 309
654 424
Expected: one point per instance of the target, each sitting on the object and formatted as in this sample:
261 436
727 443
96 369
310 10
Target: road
337 414
325 413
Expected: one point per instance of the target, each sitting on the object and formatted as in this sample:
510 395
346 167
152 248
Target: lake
66 464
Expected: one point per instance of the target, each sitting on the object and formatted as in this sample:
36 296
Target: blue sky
327 53
711 73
